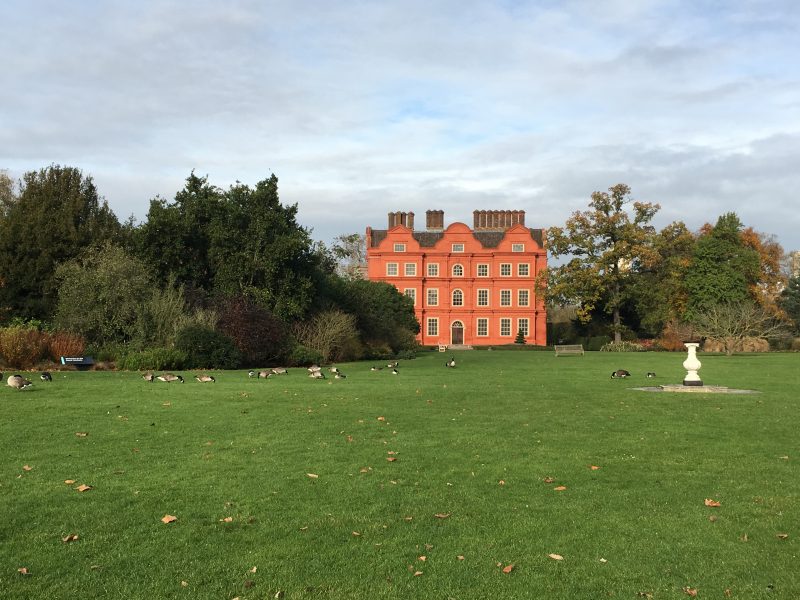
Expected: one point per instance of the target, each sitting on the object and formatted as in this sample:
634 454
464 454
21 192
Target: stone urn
692 365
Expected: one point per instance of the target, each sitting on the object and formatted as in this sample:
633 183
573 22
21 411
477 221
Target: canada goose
45 376
149 377
339 375
451 363
334 370
316 375
620 374
168 377
375 368
205 378
279 371
251 374
263 374
394 372
18 382
650 375
393 364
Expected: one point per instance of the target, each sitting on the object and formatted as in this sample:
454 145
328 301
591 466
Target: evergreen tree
789 302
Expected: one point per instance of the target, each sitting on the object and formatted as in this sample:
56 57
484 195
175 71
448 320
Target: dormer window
518 247
399 247
458 247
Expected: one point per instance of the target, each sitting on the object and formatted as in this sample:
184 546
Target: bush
300 356
64 343
22 347
622 346
155 359
796 344
207 349
258 334
593 344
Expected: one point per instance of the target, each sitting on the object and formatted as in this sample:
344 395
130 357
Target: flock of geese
314 372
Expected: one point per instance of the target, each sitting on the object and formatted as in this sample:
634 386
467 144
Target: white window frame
457 266
486 294
411 293
505 298
433 269
505 267
412 271
518 247
478 271
503 323
527 301
457 248
432 326
527 330
399 247
527 268
389 269
460 297
485 323
432 292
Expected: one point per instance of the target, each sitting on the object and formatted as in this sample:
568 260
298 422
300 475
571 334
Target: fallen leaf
603 560
508 568
364 470
23 571
782 536
169 519
381 418
460 557
391 458
184 584
81 433
356 534
727 592
69 481
226 520
712 503
72 537
784 457
594 467
560 488
690 591
712 518
27 468
548 480
349 438
442 515
417 573
408 519
501 482
744 538
556 556
84 488
391 452
304 528
644 595
313 475
254 569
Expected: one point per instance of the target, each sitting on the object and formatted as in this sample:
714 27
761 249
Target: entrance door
457 333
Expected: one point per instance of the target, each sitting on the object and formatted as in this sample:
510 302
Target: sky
370 106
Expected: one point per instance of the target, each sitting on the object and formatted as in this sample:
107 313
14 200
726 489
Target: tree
723 269
328 333
7 194
350 252
659 290
771 280
789 302
605 244
520 339
733 322
56 217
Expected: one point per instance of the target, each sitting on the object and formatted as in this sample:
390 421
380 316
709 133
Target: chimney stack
401 218
497 220
434 220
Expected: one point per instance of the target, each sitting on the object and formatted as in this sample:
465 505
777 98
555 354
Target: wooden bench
569 349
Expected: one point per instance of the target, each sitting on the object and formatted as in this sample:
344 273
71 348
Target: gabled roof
428 239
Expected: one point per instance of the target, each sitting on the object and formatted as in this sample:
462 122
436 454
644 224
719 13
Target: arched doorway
457 333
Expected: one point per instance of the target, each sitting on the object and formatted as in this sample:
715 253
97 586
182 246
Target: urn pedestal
692 366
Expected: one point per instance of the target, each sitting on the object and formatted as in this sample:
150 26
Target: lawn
283 488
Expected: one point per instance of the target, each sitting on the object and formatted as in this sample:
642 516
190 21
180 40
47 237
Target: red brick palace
469 286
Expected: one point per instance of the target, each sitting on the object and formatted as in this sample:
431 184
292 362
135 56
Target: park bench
80 362
568 349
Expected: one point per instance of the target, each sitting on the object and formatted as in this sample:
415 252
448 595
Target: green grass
242 448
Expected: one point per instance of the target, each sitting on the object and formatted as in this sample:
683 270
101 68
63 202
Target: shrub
301 356
596 343
154 359
207 348
259 335
22 347
328 333
622 346
796 344
64 343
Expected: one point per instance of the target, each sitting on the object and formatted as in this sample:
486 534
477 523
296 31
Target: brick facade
470 286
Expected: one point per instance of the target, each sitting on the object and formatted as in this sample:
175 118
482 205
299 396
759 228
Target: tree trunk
617 327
